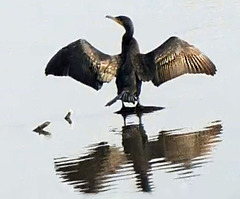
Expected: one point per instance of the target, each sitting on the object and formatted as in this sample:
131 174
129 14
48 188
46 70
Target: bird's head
126 22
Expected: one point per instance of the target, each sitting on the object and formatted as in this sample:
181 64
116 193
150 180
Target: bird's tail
113 100
125 96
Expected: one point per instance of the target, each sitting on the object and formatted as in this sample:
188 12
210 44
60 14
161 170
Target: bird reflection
89 173
182 153
176 151
135 143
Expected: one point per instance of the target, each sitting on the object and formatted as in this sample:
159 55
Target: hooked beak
114 19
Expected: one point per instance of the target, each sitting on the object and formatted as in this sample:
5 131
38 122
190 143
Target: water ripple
172 151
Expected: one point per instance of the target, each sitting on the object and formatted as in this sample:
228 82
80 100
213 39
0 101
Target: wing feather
173 58
81 61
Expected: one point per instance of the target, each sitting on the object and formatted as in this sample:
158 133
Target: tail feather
114 100
125 96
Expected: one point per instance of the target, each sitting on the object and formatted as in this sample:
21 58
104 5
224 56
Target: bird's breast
126 77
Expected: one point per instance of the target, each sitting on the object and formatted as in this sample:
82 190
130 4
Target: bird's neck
127 37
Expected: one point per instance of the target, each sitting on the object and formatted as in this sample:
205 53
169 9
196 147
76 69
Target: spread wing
81 61
173 58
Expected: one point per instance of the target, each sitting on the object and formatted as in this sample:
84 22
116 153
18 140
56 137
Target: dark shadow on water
173 151
138 110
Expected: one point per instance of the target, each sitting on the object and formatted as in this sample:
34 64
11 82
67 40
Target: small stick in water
67 117
40 128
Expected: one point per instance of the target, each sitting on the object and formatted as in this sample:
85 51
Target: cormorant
175 57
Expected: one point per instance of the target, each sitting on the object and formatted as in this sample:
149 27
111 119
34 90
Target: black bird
175 57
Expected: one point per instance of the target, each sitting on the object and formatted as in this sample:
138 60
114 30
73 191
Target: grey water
188 149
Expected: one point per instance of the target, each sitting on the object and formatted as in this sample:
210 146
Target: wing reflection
182 153
175 151
89 173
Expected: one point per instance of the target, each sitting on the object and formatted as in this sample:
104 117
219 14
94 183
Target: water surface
188 149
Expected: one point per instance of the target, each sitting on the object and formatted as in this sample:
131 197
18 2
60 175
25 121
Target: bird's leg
123 106
138 103
140 119
124 120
